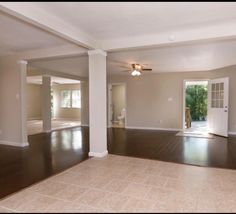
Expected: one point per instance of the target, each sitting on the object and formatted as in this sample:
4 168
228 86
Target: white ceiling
54 80
191 57
109 20
18 36
106 21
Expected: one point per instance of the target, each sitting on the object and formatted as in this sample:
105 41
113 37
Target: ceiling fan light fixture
136 73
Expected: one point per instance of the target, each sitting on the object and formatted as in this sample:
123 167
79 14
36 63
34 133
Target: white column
46 103
84 113
13 111
97 103
22 97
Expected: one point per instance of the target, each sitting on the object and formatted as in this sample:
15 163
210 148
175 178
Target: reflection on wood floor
50 153
35 126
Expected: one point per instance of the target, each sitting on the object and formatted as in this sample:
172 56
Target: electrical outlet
161 121
17 96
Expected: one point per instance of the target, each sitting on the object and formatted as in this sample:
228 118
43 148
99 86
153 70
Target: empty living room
117 107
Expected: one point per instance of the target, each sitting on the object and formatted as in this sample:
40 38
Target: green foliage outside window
196 100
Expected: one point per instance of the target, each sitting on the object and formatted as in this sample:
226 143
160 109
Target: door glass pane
213 87
222 95
222 86
213 95
217 86
217 95
221 103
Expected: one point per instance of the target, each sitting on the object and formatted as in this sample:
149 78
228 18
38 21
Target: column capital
97 51
22 62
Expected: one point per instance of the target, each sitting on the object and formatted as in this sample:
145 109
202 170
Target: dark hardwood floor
54 152
47 154
163 145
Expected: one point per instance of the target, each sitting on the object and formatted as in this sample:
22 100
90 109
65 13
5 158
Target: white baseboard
9 143
232 133
65 118
98 154
84 125
34 118
153 128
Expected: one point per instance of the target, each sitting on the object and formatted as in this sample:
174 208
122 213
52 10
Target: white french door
218 102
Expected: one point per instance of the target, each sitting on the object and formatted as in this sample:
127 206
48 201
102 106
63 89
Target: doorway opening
65 104
196 107
117 105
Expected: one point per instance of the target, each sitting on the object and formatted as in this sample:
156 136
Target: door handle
226 111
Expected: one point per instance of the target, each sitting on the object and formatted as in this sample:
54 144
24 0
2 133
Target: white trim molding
153 128
97 51
232 133
9 143
98 154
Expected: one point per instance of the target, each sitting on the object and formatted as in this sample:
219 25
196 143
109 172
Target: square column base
98 154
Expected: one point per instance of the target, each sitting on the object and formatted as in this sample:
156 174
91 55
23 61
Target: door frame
109 107
184 94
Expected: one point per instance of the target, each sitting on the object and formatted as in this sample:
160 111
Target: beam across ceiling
54 52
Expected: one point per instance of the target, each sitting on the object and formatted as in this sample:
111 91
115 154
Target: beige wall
66 113
34 97
118 99
147 97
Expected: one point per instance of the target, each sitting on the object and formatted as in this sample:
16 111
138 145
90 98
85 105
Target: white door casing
218 104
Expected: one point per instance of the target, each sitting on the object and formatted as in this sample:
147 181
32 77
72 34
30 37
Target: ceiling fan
137 69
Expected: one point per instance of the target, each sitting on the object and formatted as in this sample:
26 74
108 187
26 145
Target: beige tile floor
36 126
126 184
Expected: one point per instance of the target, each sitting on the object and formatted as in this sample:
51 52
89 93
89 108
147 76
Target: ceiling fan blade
126 71
122 66
146 69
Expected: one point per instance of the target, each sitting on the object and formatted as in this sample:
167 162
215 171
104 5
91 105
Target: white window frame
70 99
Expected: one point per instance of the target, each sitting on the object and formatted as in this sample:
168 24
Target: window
70 99
76 102
65 99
